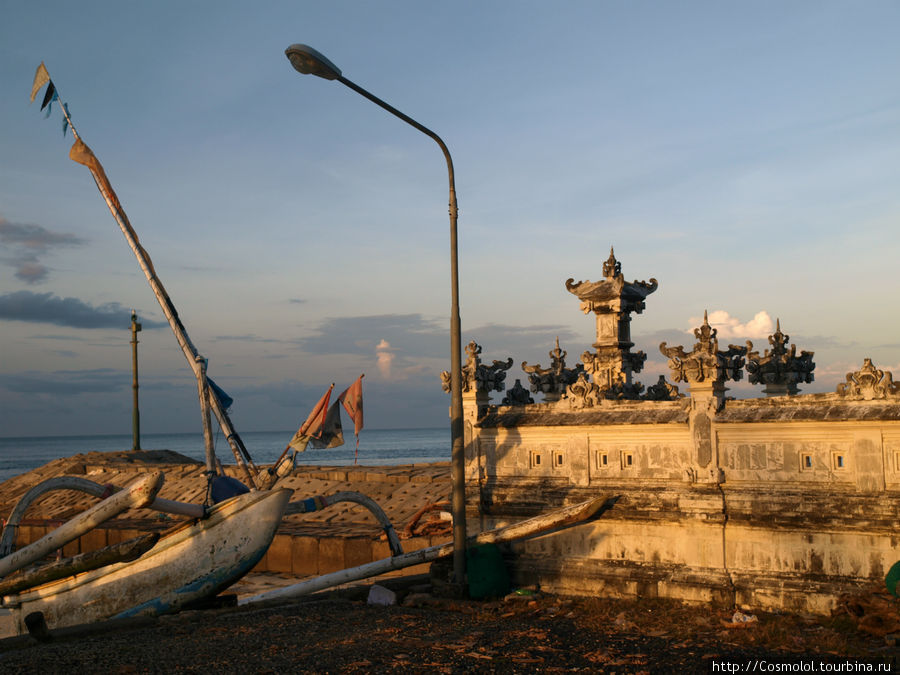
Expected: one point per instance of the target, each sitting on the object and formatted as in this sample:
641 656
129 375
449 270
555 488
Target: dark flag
331 433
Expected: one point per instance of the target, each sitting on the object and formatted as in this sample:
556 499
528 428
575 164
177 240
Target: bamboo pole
137 494
8 540
165 303
125 551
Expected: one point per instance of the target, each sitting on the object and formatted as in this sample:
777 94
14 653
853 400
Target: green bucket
486 572
893 576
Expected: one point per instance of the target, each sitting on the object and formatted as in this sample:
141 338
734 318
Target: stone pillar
705 370
478 381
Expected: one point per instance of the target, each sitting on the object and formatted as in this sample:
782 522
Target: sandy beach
339 633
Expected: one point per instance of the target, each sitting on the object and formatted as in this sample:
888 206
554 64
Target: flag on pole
313 423
49 96
41 77
331 433
223 397
351 398
82 154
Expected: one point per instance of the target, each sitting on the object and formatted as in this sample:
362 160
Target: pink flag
351 397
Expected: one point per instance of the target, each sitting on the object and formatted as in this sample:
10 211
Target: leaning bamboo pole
82 154
564 517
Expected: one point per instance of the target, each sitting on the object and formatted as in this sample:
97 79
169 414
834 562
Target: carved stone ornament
552 381
597 296
662 391
517 395
869 383
583 393
706 363
622 390
477 377
780 367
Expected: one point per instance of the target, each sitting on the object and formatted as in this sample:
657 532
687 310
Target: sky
745 155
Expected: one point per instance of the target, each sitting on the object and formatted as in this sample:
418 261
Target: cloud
384 357
71 312
248 337
67 382
729 327
27 243
412 334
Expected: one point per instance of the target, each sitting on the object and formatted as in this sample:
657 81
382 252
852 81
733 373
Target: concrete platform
341 536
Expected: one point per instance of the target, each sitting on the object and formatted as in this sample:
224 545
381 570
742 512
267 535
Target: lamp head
308 61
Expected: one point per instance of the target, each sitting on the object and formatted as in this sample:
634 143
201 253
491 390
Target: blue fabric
225 487
224 398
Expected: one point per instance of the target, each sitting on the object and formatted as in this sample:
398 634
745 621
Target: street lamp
308 61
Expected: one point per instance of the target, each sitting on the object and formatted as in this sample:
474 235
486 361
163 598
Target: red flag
313 423
351 397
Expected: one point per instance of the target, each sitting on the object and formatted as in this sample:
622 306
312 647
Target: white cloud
729 327
384 356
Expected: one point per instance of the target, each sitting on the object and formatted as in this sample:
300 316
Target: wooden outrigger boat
221 540
195 560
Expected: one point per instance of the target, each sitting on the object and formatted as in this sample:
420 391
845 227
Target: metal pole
457 456
135 412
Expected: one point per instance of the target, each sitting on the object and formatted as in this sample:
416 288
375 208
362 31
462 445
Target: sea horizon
377 447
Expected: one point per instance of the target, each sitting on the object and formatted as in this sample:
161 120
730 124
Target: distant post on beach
135 413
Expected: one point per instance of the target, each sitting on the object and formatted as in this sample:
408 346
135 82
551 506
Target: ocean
377 447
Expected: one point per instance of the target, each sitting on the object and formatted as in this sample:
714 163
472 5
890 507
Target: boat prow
195 560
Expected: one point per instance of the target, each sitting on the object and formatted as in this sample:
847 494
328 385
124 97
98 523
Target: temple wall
777 503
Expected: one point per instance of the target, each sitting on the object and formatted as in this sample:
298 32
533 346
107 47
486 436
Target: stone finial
476 376
662 391
779 369
706 363
869 383
612 293
552 381
517 395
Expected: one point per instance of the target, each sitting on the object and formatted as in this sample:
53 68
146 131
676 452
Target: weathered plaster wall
769 503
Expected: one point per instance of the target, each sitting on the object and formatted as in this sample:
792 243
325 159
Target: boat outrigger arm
82 154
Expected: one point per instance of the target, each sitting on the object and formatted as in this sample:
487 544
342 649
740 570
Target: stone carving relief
583 393
779 369
476 376
869 383
706 363
552 381
517 395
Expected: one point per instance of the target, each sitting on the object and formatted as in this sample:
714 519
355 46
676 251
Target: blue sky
746 155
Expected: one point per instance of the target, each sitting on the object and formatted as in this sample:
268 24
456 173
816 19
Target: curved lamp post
308 61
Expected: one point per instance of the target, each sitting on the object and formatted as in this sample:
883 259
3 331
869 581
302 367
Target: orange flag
313 423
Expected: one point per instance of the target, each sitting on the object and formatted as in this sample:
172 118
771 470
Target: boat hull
195 560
